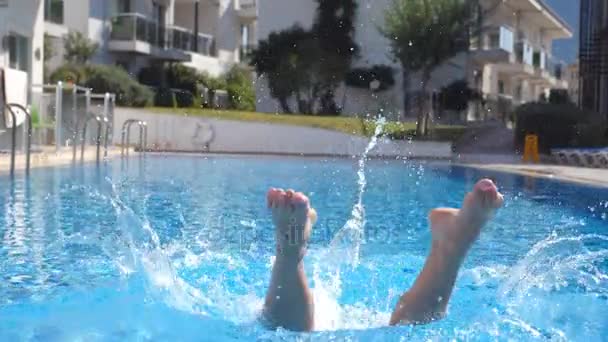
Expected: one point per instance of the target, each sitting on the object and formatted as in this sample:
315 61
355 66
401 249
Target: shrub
180 76
558 125
559 96
69 73
183 98
210 82
241 94
106 78
165 97
113 79
150 76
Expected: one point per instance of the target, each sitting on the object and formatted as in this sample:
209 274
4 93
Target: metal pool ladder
126 135
101 121
28 148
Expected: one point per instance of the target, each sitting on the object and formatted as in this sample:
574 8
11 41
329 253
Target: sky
566 49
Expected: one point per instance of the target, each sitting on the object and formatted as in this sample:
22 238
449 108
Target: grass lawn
351 125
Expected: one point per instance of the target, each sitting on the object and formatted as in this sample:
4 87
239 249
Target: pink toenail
485 185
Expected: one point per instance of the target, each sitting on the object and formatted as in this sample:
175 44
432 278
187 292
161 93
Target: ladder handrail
84 135
126 135
14 136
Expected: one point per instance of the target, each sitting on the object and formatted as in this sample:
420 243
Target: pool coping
568 174
49 157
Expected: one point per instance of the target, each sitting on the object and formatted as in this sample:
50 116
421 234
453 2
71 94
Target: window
18 52
501 87
123 6
53 11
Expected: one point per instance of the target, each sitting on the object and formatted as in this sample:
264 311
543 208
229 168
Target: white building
205 34
510 61
21 48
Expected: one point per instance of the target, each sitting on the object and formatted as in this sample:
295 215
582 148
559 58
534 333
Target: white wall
26 18
209 64
179 133
76 15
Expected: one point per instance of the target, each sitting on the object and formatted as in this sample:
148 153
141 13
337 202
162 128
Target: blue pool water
179 248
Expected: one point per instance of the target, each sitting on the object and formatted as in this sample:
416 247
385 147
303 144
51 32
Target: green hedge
558 125
106 78
240 89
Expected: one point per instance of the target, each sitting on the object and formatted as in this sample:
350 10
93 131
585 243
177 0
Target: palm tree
424 34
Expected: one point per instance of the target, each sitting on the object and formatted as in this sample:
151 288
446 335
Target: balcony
524 53
247 9
494 45
183 39
133 32
245 53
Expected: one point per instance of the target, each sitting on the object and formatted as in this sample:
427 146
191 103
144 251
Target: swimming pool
179 248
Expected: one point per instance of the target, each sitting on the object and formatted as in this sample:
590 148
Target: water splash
344 249
348 239
137 250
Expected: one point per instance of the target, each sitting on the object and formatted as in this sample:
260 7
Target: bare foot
293 219
289 302
454 231
459 228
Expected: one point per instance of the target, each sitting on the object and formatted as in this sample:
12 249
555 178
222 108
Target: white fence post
58 114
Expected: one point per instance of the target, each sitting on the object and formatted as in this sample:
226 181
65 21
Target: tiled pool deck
581 175
47 156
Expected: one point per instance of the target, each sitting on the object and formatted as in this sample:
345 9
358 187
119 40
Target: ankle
448 249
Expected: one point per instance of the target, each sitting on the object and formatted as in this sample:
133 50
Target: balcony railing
247 3
245 52
136 27
524 53
183 39
492 38
539 59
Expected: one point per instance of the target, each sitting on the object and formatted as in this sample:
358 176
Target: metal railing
126 135
138 27
28 146
494 37
524 52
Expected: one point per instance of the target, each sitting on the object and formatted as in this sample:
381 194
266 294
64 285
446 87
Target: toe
280 198
487 193
300 200
270 195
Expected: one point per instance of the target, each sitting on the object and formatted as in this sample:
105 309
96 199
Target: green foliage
287 58
165 97
334 30
182 77
559 96
558 125
363 77
48 50
424 34
78 48
70 73
310 64
210 82
240 89
106 78
35 113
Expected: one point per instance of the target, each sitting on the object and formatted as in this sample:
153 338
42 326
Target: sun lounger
587 157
